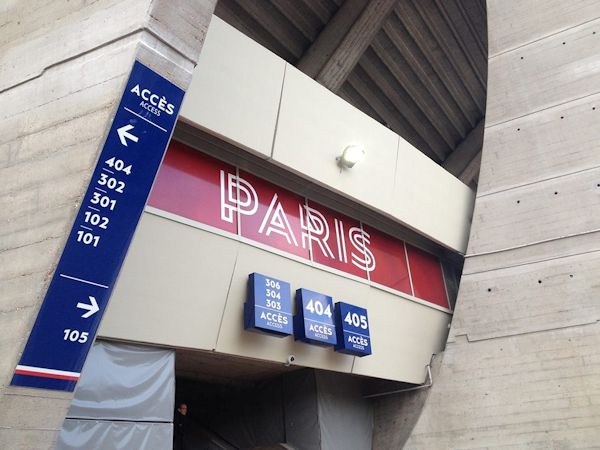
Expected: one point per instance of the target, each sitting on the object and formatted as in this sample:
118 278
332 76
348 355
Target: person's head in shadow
182 409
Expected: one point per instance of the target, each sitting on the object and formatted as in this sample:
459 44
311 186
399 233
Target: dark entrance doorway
237 403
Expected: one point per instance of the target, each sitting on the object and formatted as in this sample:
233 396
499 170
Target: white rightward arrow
91 309
124 134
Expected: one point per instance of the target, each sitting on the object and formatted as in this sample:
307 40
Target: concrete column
63 69
522 364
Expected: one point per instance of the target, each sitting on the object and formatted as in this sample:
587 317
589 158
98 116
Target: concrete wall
185 287
63 68
250 97
395 414
521 367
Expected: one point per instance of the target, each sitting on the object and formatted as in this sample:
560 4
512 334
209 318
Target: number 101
87 238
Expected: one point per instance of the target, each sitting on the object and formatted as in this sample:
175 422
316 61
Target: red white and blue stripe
47 373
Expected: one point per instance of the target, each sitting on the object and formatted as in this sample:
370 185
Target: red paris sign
338 241
271 216
392 266
189 184
203 189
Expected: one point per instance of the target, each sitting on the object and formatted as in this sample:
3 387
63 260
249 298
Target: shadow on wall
396 415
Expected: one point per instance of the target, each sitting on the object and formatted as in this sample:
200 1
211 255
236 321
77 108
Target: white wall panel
236 95
315 126
430 200
393 177
185 287
236 89
404 338
172 287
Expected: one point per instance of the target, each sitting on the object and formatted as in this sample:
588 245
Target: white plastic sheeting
301 408
103 434
307 409
124 399
345 417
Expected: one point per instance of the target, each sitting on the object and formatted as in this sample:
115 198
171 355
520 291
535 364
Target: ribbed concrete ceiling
217 368
417 66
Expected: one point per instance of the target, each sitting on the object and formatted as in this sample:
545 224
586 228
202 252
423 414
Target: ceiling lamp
351 155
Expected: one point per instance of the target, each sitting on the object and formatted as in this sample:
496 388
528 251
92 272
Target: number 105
75 336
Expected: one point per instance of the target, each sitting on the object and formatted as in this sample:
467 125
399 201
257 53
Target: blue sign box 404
314 322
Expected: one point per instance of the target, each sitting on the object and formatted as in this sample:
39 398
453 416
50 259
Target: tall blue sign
352 324
78 294
313 322
269 306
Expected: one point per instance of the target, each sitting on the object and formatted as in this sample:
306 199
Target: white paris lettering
364 259
277 222
315 229
238 196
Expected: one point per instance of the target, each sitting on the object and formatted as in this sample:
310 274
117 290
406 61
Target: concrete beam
403 103
433 117
432 83
322 49
355 42
457 162
470 175
389 114
436 57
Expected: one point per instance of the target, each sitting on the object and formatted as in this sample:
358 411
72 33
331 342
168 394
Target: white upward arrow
91 309
123 133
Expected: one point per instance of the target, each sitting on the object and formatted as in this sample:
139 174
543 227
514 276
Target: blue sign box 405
353 335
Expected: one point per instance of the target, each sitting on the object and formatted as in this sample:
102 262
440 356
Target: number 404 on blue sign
313 322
